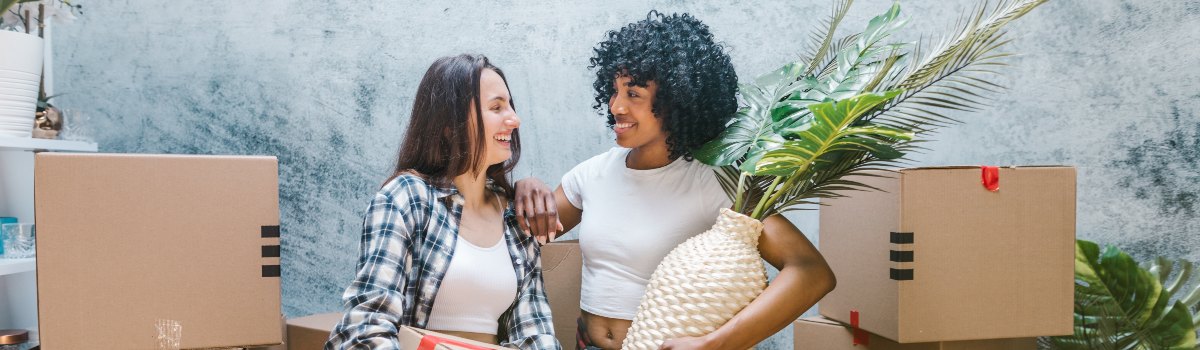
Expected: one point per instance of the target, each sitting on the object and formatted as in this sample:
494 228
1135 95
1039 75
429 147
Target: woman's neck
473 188
651 156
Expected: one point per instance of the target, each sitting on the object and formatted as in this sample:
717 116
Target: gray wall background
1110 86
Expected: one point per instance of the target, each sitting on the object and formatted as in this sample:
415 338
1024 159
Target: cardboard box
937 257
562 271
127 240
311 332
819 333
419 339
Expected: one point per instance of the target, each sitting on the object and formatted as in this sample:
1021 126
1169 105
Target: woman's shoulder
615 155
695 169
406 184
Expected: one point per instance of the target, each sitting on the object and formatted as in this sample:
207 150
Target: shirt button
518 260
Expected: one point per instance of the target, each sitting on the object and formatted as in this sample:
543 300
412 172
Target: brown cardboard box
126 240
311 332
819 333
967 263
562 270
419 339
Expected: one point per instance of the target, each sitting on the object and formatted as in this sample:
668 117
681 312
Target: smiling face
498 117
632 108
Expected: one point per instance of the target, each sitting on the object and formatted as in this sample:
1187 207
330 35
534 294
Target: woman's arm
804 278
544 213
374 300
568 215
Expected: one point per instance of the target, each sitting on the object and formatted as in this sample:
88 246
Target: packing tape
901 274
900 255
901 237
270 251
860 336
270 231
991 178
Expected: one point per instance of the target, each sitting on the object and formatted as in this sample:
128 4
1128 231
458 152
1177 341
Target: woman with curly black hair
667 88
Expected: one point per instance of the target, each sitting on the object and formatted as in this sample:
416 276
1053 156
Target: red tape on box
991 178
428 342
860 336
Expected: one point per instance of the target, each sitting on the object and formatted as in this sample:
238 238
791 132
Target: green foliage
1121 305
853 105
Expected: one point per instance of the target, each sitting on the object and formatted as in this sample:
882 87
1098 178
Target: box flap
819 321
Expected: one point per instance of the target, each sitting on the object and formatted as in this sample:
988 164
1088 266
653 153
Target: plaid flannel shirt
409 235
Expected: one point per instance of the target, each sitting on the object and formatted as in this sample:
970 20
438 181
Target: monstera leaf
1121 305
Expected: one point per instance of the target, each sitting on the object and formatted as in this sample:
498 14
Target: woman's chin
624 142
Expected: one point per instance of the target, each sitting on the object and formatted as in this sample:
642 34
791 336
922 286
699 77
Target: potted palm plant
22 60
854 104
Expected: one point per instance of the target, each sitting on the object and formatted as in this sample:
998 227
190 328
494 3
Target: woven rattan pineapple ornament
853 105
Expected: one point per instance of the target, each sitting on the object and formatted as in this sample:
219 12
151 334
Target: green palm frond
853 105
950 78
1121 305
855 64
828 63
830 133
822 37
829 181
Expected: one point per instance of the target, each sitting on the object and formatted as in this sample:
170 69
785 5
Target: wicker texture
701 284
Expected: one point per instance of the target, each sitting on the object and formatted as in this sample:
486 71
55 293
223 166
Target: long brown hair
437 145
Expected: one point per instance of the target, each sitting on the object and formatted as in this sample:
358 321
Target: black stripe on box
896 255
270 271
902 274
902 237
270 231
270 251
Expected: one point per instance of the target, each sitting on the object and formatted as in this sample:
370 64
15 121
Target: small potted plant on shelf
22 26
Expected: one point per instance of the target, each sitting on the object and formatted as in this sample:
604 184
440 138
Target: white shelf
32 144
15 266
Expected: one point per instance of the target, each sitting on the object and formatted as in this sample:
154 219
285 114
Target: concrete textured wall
1110 86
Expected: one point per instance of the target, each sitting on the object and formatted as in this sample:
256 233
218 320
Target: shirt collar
448 193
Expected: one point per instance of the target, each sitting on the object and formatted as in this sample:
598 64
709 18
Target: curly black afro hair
697 85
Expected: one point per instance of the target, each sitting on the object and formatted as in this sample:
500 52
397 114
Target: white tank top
479 286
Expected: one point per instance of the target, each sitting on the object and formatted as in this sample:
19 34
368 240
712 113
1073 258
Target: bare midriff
605 333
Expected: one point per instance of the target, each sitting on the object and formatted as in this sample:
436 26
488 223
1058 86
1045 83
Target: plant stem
787 186
766 195
737 202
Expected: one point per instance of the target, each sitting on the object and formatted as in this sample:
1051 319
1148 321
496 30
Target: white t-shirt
632 219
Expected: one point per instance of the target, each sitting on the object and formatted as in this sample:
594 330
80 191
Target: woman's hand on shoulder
536 209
